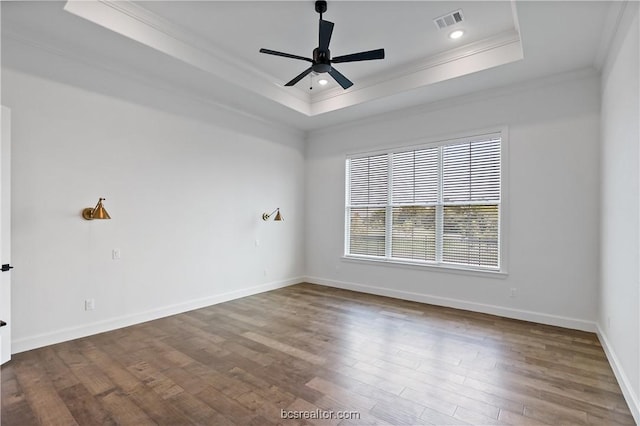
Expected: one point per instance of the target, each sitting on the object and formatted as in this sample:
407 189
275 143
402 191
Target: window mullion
439 209
389 210
347 213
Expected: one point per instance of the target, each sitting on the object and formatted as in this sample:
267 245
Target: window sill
500 274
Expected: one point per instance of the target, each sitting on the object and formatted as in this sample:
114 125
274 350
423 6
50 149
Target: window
438 204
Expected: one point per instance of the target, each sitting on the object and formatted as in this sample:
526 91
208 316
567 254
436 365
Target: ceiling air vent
449 19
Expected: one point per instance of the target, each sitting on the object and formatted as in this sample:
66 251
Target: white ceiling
210 49
405 30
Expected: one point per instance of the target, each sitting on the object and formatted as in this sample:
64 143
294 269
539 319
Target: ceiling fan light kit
322 62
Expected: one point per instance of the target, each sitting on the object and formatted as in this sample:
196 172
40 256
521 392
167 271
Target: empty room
320 213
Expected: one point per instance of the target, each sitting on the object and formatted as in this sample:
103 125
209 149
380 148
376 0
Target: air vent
449 19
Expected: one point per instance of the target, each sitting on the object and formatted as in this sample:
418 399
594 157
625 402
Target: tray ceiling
209 49
223 39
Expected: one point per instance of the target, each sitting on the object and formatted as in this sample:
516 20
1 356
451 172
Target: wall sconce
278 217
98 212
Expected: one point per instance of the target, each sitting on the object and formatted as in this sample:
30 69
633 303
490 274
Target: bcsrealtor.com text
319 415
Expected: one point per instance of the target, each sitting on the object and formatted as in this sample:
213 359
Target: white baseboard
541 318
623 380
58 336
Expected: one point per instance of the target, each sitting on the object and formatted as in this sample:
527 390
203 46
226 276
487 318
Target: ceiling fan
322 61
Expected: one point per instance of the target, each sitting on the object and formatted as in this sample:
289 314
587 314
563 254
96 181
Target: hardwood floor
306 348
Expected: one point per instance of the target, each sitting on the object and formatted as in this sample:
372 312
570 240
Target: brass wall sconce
278 217
98 212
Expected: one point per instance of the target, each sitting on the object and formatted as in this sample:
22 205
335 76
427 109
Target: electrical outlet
115 254
512 292
89 304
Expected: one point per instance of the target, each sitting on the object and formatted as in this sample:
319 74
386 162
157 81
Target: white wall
553 138
185 195
207 174
619 320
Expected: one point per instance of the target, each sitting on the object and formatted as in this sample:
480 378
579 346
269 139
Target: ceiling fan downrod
321 7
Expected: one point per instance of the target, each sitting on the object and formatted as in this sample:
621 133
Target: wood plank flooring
310 350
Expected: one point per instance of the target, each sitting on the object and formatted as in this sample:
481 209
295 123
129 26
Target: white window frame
501 132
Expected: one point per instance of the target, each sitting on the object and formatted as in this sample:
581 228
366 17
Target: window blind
471 197
368 195
437 204
415 176
414 195
471 171
369 180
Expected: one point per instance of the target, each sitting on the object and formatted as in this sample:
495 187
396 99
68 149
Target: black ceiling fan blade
299 77
286 55
326 29
361 56
341 79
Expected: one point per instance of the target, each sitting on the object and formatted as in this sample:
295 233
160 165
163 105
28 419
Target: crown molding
427 65
609 30
143 26
619 18
439 72
139 24
481 95
24 42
